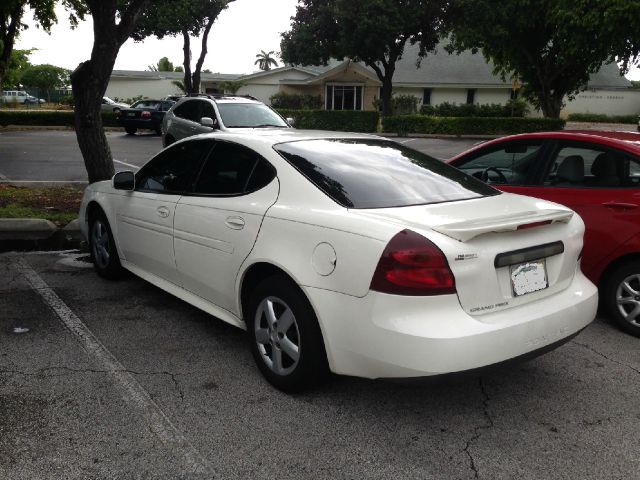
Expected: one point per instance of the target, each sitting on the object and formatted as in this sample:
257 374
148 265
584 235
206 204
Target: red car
597 174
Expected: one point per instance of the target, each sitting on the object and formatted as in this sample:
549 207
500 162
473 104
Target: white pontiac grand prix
346 253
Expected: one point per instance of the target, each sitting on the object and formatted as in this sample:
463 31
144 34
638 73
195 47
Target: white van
14 96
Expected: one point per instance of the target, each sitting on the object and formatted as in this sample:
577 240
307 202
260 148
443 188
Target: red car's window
592 167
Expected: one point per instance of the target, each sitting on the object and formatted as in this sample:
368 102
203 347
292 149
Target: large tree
11 13
374 32
113 24
45 78
552 46
186 18
17 64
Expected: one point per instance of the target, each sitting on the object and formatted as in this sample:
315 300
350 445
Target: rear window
379 174
253 115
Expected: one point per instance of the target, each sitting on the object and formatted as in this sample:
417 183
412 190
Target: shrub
337 120
513 108
404 104
48 118
406 124
296 102
602 118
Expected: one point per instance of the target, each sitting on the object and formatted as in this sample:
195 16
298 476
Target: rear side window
232 169
189 110
379 174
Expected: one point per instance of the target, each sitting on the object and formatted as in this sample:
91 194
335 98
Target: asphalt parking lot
121 380
54 157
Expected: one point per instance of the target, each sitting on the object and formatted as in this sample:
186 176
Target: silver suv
205 113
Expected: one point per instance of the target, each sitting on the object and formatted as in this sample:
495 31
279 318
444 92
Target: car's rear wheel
103 248
622 297
130 130
285 337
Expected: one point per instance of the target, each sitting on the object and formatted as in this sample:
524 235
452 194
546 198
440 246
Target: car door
602 185
513 166
217 224
145 216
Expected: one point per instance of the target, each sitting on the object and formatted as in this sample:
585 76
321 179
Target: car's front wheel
285 337
103 248
622 297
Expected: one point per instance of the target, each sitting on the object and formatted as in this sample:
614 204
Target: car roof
273 136
624 140
225 99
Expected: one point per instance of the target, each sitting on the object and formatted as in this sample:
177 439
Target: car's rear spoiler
465 231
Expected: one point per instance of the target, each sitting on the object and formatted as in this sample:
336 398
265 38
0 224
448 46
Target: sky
240 32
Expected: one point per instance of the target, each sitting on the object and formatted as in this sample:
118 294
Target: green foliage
264 60
66 100
18 63
601 118
404 104
296 101
635 84
232 86
372 31
552 46
337 120
407 124
180 85
517 107
163 65
45 77
59 118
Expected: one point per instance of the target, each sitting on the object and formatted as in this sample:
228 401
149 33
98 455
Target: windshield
153 104
367 173
249 115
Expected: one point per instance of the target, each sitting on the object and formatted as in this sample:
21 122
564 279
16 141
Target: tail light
145 114
413 265
118 113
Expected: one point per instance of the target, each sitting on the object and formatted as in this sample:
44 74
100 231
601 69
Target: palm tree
180 86
265 60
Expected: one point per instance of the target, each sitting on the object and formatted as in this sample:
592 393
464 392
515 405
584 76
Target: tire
284 335
622 297
130 130
102 246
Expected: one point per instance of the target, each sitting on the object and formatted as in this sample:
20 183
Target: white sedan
345 253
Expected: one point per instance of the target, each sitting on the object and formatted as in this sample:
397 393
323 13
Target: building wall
608 102
260 91
151 88
492 95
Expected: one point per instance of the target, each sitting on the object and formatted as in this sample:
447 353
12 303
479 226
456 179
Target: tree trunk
203 53
386 92
186 62
7 39
551 104
90 79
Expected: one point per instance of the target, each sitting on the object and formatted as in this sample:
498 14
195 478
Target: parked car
32 99
14 96
597 174
345 252
144 114
109 105
205 113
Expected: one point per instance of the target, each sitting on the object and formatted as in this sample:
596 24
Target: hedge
336 120
48 118
602 118
513 108
406 124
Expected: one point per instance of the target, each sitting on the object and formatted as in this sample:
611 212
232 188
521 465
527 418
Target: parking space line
132 392
125 163
410 140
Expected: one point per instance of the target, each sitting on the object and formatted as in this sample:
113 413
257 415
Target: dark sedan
146 114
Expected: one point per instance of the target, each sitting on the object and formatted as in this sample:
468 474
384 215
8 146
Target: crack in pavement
477 430
590 348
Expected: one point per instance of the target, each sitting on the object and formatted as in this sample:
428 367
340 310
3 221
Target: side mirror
291 121
124 180
208 122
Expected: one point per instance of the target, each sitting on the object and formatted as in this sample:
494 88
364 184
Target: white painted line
2 177
125 163
132 392
43 181
407 141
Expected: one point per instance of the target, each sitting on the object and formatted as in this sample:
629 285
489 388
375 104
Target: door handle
163 212
620 205
235 223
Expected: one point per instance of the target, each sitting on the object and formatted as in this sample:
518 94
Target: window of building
471 96
344 97
426 96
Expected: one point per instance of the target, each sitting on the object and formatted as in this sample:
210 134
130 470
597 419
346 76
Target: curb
29 229
61 128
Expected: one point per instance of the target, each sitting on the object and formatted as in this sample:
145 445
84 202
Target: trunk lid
498 261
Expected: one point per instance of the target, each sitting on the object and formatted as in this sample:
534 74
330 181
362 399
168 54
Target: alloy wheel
100 244
277 335
628 299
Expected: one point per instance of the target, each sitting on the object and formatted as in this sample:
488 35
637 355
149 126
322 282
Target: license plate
529 277
131 114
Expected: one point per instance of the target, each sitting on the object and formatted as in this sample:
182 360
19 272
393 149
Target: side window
588 166
206 110
188 110
173 170
510 164
233 170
